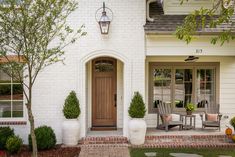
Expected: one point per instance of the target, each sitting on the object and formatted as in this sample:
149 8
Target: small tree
33 34
71 106
203 18
137 107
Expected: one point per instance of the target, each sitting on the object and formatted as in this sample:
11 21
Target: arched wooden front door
104 82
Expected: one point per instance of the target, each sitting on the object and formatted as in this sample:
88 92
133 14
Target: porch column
127 96
81 92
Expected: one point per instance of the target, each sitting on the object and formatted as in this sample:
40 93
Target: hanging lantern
104 21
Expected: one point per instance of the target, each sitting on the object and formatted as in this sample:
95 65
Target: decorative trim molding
13 122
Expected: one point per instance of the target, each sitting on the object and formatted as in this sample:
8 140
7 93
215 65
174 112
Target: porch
157 132
197 138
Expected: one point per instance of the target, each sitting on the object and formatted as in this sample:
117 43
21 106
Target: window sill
13 122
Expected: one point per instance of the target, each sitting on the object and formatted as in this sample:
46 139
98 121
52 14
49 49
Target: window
104 66
11 97
181 83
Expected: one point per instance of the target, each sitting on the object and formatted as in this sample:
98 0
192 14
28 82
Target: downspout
147 15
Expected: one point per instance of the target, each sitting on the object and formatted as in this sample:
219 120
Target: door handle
115 100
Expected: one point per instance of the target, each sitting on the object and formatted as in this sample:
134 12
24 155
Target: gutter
147 15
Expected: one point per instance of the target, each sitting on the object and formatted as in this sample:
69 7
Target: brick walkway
104 151
111 146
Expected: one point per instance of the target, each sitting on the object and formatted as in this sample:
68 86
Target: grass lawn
164 152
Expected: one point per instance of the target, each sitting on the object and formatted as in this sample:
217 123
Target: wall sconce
105 20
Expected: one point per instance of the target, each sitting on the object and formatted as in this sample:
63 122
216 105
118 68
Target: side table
192 121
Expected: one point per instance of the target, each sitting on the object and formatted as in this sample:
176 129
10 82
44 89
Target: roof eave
155 32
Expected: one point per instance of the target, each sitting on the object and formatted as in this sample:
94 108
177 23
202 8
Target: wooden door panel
103 97
103 92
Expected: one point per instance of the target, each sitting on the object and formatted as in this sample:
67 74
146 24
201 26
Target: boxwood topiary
14 144
5 133
137 107
45 137
71 106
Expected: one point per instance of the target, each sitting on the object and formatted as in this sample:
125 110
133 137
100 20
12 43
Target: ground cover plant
164 152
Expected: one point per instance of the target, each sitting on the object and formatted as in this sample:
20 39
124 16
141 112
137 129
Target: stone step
104 140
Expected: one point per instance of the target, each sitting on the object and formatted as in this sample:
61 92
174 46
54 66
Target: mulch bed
58 151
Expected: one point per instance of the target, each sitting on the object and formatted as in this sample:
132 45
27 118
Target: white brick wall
126 38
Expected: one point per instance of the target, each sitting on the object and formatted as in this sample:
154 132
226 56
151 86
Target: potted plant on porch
71 126
190 107
137 125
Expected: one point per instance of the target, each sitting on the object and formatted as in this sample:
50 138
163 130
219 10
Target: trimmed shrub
5 133
232 122
13 144
71 106
45 137
137 107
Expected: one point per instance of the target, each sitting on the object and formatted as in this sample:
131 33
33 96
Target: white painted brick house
101 67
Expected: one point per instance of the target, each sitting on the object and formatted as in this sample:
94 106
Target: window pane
157 89
162 86
179 76
17 92
188 99
17 109
166 87
201 74
5 109
210 99
5 92
4 78
201 101
183 87
162 74
166 99
157 100
188 88
182 100
188 75
104 66
179 101
205 87
209 75
179 89
209 88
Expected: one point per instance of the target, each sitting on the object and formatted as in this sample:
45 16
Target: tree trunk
33 137
31 121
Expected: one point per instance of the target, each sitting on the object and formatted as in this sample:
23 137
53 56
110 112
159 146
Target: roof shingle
167 24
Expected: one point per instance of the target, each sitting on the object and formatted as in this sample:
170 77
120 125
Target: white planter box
70 132
137 131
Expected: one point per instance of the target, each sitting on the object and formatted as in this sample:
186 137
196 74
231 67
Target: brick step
185 138
104 140
186 145
187 141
